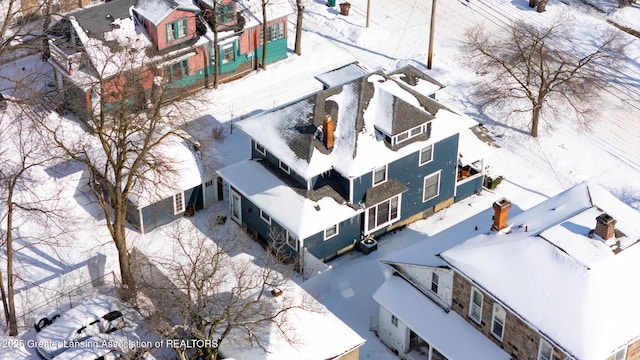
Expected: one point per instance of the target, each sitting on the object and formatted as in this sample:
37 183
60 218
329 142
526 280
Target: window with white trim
284 167
225 13
394 320
545 350
264 216
431 187
292 241
178 203
259 148
621 354
383 213
497 321
411 133
475 305
379 175
331 232
434 282
426 155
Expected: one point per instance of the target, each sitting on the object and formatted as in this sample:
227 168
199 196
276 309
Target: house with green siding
336 169
132 50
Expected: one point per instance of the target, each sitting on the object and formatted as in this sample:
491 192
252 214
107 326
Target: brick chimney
605 226
501 211
328 127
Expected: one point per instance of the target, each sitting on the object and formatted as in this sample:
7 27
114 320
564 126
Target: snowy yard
608 152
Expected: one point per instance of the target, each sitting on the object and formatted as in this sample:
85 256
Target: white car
95 316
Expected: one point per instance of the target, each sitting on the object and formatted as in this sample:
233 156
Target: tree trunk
298 45
216 51
535 119
120 239
263 64
13 323
3 293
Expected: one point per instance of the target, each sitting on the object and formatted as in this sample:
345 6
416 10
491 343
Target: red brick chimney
328 127
605 226
501 212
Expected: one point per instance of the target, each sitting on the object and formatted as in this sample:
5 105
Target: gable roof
157 10
360 109
549 270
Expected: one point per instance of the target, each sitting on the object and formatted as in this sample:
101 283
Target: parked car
98 315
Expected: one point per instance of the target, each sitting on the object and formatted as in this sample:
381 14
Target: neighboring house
554 282
351 162
164 197
100 51
313 332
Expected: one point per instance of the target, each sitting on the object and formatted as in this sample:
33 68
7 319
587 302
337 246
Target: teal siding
276 50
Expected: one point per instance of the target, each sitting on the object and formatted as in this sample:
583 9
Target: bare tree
214 291
22 24
526 71
129 124
23 152
265 33
300 15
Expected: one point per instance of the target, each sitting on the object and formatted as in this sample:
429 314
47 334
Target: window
285 167
383 213
331 232
178 203
228 53
224 13
209 183
545 351
276 31
177 29
497 321
394 320
621 354
426 155
260 149
434 282
264 216
379 175
431 187
177 70
475 308
411 133
292 241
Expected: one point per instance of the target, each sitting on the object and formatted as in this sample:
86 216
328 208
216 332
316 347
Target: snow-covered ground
565 154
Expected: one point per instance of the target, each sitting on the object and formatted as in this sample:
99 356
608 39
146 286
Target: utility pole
368 11
433 21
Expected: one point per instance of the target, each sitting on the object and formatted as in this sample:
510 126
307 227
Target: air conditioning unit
367 245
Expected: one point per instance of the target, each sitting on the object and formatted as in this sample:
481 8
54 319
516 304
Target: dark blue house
350 162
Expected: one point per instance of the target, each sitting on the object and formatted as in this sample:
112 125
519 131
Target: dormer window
411 133
177 30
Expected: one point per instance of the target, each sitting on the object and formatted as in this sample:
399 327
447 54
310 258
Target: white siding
395 337
421 276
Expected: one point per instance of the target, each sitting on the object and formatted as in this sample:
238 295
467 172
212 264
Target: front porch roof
384 191
447 332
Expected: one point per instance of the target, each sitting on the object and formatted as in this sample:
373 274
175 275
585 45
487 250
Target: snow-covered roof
296 213
158 10
445 331
471 148
252 10
341 75
550 269
318 334
360 109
